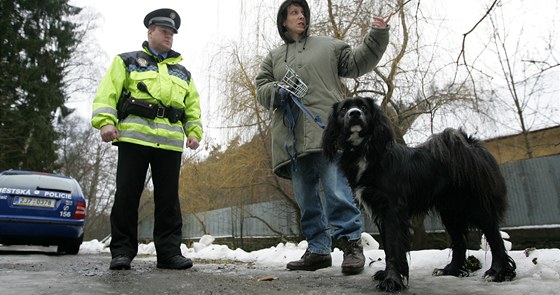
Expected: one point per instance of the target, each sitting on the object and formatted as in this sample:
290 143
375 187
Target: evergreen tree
37 39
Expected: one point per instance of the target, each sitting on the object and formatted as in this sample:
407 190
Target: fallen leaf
267 278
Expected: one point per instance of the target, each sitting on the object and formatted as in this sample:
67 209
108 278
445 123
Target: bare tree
92 163
524 74
513 68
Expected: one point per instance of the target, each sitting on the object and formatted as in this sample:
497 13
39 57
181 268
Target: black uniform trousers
132 166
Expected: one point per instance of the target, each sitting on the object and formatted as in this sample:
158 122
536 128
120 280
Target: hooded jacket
167 81
319 62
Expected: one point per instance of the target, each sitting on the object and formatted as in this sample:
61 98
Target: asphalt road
34 272
40 272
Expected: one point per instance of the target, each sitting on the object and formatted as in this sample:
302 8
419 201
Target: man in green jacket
296 150
145 104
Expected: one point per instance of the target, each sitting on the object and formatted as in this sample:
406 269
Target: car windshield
41 182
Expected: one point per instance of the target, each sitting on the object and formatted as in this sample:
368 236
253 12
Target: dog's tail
472 168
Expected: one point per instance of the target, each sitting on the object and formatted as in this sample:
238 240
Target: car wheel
71 247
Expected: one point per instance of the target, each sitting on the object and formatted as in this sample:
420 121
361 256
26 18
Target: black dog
451 174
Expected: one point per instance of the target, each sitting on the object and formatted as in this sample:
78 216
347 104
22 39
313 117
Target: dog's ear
331 133
382 126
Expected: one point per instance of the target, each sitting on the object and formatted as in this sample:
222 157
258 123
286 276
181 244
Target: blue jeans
338 215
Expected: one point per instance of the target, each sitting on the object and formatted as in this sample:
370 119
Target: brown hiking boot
311 262
354 259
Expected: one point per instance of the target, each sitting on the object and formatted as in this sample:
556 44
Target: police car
39 208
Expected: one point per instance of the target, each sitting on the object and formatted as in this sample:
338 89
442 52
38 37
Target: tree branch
462 53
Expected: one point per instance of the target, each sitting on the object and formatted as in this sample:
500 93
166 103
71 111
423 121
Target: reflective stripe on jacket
167 81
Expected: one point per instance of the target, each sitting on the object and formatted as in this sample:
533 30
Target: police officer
145 104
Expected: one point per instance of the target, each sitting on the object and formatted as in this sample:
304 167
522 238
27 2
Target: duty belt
147 109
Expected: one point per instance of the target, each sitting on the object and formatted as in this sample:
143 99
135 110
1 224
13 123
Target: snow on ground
534 266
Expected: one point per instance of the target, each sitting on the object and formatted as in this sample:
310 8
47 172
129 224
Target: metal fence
533 195
268 219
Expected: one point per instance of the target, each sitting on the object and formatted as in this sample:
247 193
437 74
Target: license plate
34 202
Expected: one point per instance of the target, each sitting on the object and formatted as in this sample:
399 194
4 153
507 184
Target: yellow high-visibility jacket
167 81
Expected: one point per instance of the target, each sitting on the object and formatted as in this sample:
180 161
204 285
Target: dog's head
355 122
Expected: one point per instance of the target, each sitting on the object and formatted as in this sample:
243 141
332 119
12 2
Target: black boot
354 259
311 261
175 262
120 262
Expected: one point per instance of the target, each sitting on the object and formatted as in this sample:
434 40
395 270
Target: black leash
290 121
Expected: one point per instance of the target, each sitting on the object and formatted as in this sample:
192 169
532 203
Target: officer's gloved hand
192 142
109 133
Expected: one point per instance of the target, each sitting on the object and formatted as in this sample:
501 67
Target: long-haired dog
452 174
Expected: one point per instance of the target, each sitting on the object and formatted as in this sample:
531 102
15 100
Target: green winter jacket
167 81
319 61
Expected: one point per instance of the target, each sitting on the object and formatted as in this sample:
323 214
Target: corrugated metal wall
533 191
256 220
533 194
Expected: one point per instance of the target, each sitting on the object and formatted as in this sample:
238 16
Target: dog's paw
380 275
505 273
491 276
438 272
447 271
391 284
495 276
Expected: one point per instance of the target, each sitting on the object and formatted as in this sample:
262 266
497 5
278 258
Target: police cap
163 17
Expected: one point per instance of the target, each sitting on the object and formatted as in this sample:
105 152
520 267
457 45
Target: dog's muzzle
354 116
354 121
